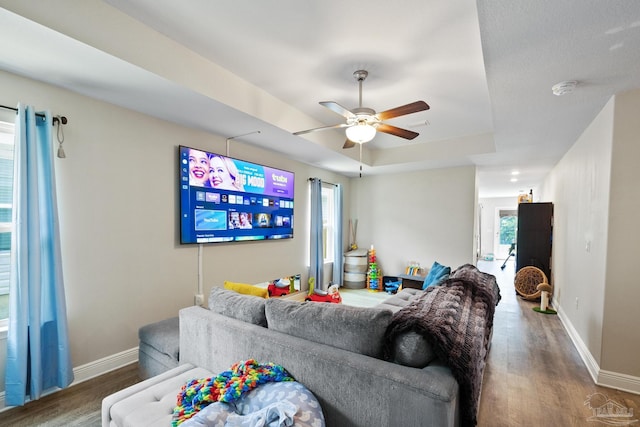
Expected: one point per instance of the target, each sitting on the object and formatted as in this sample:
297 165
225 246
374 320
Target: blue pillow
437 274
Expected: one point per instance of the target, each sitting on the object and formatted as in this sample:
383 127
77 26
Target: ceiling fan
363 123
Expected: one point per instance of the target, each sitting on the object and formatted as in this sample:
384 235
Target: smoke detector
564 88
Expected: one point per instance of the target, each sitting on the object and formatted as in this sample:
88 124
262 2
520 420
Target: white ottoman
150 402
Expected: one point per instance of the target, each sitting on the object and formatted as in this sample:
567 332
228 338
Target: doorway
505 231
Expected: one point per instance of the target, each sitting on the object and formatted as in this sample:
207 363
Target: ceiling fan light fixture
360 133
564 88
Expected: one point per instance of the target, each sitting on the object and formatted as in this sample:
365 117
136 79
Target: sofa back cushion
248 308
357 329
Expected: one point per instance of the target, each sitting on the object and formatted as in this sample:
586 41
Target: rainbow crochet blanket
228 386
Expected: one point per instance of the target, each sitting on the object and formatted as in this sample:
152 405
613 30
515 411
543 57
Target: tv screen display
223 199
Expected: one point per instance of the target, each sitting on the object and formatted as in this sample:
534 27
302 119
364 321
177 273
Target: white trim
618 381
94 369
599 376
583 350
104 365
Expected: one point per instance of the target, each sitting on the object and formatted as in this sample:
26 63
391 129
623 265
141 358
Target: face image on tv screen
223 199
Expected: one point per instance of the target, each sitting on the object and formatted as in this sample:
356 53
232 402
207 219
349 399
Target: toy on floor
279 287
373 272
392 287
330 295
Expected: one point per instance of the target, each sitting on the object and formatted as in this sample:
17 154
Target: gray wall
621 337
423 216
596 198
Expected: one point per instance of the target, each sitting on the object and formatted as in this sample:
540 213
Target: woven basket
527 280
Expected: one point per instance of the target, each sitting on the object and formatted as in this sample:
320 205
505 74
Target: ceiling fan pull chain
360 160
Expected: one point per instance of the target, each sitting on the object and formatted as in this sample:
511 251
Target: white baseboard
618 381
106 364
93 369
583 350
600 377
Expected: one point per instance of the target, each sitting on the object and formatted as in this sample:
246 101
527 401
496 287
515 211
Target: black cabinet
535 232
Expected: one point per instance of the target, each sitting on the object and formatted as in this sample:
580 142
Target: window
508 225
6 227
328 222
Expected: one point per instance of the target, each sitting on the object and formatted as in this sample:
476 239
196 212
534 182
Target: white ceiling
486 69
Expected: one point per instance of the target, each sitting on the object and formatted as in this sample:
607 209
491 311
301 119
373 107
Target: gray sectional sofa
344 355
158 348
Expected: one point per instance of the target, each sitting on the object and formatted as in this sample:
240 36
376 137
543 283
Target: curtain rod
324 182
61 119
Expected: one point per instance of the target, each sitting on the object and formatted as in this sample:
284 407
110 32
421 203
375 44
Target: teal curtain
338 248
316 261
38 356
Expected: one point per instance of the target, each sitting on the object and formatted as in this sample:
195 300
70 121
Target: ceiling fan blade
392 130
414 107
341 125
349 144
337 108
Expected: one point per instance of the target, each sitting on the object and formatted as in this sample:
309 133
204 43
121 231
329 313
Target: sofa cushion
412 349
357 329
399 300
150 402
248 308
437 274
243 288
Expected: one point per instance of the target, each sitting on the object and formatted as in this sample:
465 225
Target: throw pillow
412 349
247 308
357 329
437 274
243 288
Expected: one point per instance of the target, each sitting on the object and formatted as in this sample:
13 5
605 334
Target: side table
295 296
412 281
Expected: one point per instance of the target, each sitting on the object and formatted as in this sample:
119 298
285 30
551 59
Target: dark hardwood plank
77 406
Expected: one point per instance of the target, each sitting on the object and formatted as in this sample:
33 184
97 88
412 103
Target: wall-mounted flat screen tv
223 199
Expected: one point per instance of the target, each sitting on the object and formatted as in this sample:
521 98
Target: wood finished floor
534 375
76 406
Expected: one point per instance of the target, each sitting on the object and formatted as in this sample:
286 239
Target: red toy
277 291
331 295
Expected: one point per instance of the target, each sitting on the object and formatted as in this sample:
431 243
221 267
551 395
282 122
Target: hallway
534 375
